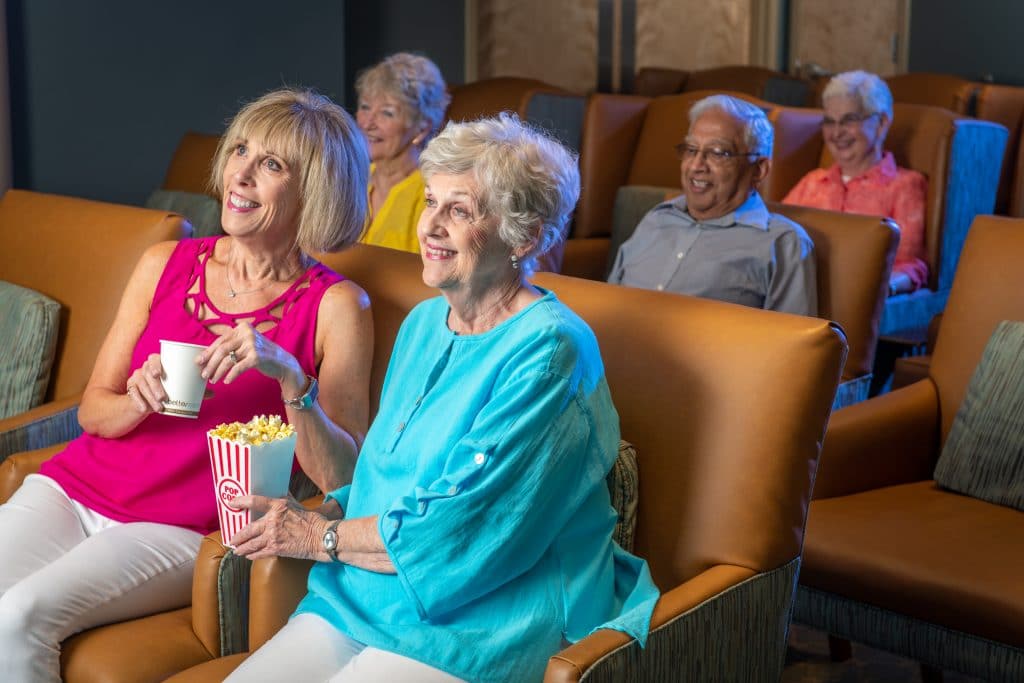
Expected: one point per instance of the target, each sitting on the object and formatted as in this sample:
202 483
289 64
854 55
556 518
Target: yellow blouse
394 225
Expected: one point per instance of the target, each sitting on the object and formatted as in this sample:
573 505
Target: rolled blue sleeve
508 488
340 496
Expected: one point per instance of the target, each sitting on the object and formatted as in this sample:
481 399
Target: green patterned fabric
632 202
201 210
928 643
984 453
45 431
28 340
738 635
233 603
624 487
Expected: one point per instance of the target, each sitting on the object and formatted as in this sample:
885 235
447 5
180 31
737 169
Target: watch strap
305 401
332 529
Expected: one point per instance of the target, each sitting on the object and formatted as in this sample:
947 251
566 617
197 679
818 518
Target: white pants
310 649
65 568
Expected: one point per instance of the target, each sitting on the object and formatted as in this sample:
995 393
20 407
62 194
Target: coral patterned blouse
885 190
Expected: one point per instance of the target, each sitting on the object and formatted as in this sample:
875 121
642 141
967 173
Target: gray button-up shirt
750 257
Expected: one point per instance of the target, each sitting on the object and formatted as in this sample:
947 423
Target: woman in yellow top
402 101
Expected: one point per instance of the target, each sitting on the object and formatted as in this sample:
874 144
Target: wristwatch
305 402
331 540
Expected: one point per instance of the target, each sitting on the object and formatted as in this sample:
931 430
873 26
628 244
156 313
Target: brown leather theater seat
893 561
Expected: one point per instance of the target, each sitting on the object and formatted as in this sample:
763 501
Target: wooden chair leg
929 674
839 649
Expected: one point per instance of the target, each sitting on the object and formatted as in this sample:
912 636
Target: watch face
330 541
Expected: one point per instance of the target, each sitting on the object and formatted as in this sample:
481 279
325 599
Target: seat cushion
145 649
924 552
28 339
984 452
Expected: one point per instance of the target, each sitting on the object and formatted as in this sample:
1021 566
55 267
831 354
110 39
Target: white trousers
310 649
65 568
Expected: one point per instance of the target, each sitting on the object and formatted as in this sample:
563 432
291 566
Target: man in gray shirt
718 240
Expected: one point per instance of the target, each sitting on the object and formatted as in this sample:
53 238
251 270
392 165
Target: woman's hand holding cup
242 348
145 388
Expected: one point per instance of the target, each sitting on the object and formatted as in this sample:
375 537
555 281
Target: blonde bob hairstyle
325 151
413 80
528 180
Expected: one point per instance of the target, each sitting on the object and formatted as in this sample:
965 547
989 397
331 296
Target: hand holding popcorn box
254 458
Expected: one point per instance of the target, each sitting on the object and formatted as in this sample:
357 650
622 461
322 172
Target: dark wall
373 30
102 91
978 40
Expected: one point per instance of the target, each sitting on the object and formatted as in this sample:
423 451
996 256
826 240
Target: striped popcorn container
242 467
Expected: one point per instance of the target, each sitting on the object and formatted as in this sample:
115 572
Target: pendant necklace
232 292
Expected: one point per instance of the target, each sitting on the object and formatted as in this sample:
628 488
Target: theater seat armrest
572 663
276 586
890 439
51 423
909 370
207 612
14 469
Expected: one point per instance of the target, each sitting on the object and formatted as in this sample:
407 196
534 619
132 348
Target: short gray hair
413 80
758 134
868 89
525 176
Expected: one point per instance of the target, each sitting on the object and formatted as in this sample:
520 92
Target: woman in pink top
864 178
110 527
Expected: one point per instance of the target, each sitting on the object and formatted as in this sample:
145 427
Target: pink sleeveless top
160 471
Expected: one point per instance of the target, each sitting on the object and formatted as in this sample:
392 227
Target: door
831 36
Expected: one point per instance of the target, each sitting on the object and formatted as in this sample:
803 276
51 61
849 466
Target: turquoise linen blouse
486 465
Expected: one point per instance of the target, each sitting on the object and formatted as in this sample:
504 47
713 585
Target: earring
515 262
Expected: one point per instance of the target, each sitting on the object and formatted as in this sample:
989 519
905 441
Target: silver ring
233 357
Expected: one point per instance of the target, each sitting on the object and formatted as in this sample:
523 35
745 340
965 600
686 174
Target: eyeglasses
848 121
716 156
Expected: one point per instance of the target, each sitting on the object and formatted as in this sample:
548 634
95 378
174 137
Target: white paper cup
241 469
182 380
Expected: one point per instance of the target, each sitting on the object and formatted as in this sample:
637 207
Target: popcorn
260 429
254 457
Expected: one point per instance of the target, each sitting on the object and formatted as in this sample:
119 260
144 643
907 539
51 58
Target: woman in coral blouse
865 179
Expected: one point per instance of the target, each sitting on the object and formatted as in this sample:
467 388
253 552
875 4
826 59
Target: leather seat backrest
1004 104
854 256
395 284
746 79
491 96
665 125
986 290
797 149
611 128
691 389
189 170
921 138
653 81
81 254
937 90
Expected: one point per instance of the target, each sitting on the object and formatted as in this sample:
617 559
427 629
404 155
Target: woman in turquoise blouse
474 541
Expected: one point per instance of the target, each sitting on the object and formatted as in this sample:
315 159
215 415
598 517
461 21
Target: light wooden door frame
766 25
900 51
